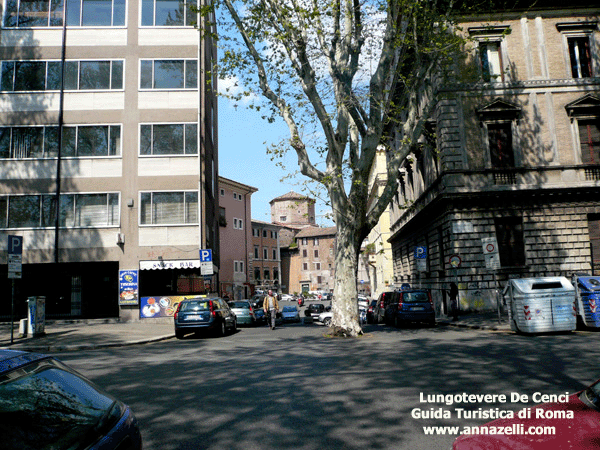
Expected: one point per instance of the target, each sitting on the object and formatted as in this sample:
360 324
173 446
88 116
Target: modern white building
134 168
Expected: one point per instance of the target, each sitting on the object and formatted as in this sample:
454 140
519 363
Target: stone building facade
507 184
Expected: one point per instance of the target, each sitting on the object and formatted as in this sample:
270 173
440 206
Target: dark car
204 314
415 305
257 301
371 311
314 310
385 298
567 422
45 404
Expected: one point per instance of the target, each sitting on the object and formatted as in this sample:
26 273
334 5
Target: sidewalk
74 335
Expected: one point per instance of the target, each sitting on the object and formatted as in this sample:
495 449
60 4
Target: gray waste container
540 305
588 300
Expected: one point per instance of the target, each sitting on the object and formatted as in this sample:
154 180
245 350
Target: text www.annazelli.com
514 429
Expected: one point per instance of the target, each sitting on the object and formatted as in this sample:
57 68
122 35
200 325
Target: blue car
409 305
46 405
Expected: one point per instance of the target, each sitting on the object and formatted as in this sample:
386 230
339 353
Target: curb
78 347
499 327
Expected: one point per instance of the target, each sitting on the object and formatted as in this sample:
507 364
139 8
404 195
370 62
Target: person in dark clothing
453 293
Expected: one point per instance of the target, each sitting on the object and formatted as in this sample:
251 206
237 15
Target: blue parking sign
420 252
205 255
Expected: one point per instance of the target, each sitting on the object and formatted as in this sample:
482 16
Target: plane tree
346 77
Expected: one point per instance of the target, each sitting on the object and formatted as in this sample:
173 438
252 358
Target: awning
170 264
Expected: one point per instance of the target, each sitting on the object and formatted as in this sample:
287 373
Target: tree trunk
345 320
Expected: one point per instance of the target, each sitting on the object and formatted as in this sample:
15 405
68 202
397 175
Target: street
294 388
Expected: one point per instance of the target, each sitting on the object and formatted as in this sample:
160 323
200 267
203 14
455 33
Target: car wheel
327 321
179 334
234 329
222 330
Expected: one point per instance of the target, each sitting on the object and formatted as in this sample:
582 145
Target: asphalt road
294 388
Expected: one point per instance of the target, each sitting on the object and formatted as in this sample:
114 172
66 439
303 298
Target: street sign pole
15 257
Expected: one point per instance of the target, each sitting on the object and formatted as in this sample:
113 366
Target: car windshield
289 309
415 297
195 305
47 406
240 305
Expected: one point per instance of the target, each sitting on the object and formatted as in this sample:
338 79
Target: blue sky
243 141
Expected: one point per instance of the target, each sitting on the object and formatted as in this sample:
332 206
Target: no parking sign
490 253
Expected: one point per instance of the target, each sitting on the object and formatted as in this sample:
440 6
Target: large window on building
490 58
500 144
169 139
169 74
19 76
49 13
169 208
28 142
580 56
76 210
91 140
589 139
168 13
511 247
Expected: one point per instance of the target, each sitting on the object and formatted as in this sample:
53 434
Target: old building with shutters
506 183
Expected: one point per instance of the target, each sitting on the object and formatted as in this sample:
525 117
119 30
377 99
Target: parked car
204 314
257 300
384 299
314 310
290 314
573 420
45 404
371 311
287 298
243 311
325 318
415 305
363 302
261 318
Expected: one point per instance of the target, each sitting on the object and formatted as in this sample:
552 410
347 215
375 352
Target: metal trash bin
540 305
588 299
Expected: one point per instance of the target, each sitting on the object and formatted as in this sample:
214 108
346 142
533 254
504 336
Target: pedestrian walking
271 306
453 293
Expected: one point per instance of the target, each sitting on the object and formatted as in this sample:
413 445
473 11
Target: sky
243 141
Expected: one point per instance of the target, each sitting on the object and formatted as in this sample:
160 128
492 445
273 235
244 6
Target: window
256 252
304 253
283 218
169 139
44 13
589 139
304 241
238 266
255 232
500 145
579 54
222 217
257 273
222 192
511 247
28 142
305 266
490 57
318 266
168 208
76 210
267 274
316 252
274 254
265 253
92 140
264 233
168 13
169 74
316 241
238 224
19 76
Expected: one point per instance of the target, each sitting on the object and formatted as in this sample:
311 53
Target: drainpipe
60 133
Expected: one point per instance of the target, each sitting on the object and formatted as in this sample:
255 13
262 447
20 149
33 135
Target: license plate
417 308
194 317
